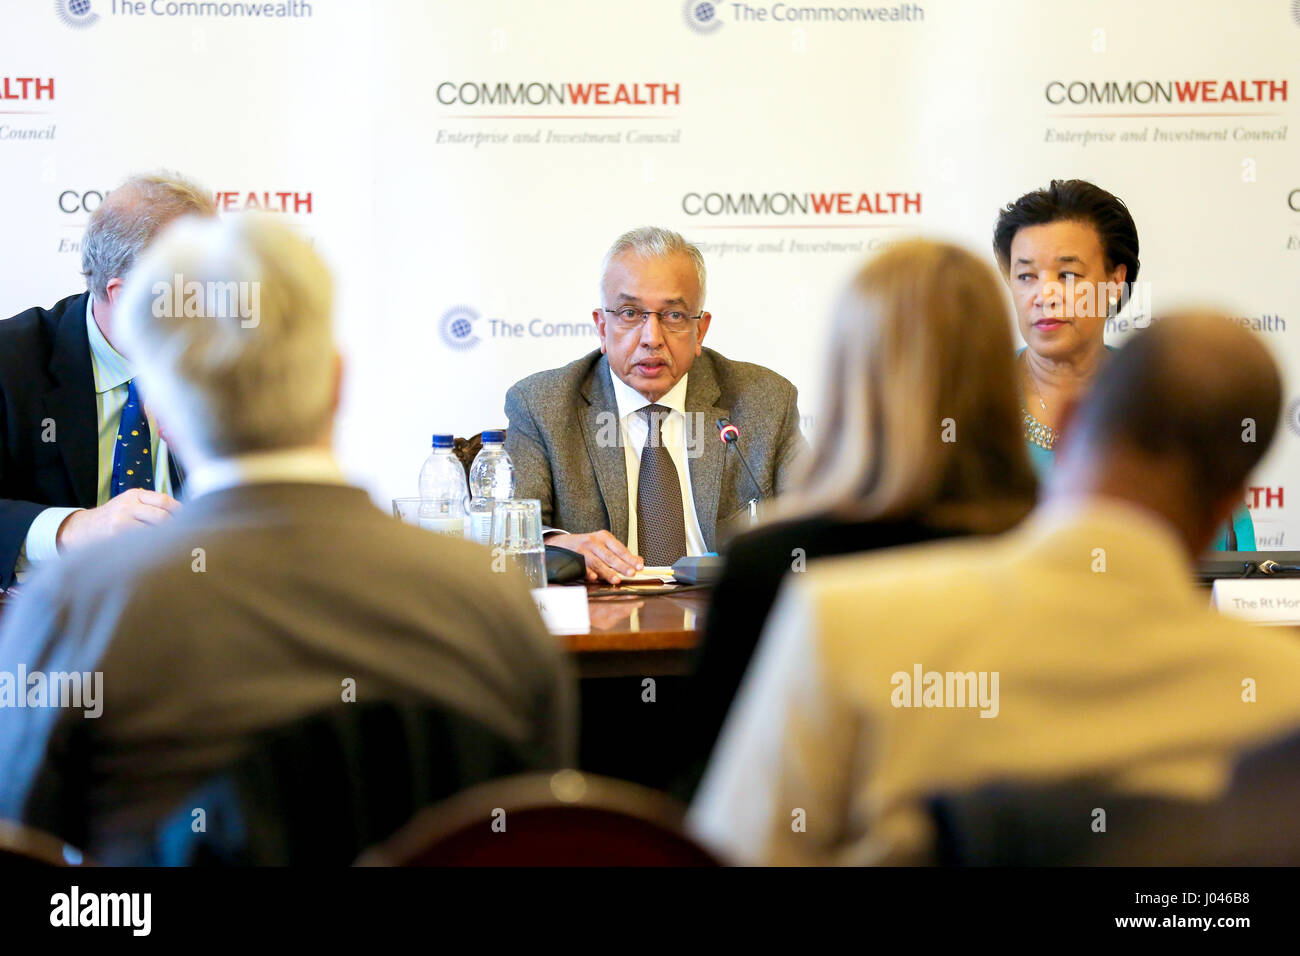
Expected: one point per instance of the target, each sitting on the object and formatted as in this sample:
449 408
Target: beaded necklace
1044 436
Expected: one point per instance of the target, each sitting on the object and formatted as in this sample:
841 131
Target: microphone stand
730 434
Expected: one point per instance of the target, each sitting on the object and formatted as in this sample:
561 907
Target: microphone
730 434
1271 567
705 569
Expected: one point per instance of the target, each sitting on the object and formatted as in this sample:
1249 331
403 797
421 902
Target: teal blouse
1043 458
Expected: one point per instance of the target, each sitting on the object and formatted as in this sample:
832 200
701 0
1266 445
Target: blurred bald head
1191 403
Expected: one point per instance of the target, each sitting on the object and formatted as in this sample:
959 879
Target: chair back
25 848
322 789
1089 822
467 449
562 819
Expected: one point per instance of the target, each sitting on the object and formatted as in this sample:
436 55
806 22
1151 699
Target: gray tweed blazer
564 440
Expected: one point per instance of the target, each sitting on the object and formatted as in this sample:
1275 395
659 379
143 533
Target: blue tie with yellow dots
132 462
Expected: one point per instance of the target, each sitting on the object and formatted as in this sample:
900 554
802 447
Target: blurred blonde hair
921 351
231 385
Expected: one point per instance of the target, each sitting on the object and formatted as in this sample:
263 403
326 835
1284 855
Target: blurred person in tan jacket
1076 644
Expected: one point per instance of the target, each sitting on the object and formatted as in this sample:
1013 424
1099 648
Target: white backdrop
452 175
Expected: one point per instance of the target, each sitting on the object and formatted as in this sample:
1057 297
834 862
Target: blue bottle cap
442 441
496 437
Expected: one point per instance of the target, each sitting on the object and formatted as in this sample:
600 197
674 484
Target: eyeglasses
627 318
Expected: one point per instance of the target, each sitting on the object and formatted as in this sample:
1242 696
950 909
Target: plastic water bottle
442 490
491 479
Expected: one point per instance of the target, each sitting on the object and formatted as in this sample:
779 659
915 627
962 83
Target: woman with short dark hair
1070 255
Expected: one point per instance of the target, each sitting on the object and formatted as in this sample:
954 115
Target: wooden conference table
632 634
639 633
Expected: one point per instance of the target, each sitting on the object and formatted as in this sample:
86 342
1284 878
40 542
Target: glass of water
407 510
430 515
517 538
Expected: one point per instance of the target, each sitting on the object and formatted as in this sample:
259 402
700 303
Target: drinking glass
517 538
430 515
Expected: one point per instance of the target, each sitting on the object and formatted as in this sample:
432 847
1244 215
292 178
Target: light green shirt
113 374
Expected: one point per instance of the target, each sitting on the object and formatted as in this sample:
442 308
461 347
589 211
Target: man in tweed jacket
579 434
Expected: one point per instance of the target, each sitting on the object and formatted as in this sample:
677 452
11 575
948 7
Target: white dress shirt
633 431
1109 662
112 375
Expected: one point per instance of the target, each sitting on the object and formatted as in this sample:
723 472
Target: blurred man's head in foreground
1176 421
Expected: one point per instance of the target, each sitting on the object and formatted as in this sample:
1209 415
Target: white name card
1257 600
563 609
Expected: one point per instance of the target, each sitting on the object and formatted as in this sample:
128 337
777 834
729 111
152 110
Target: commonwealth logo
702 16
457 328
76 13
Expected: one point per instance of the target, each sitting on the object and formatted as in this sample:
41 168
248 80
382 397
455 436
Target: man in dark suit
621 446
278 592
68 474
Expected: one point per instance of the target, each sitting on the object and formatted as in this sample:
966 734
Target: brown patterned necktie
660 520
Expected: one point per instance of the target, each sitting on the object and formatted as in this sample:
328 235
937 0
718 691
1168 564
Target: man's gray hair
129 218
652 242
